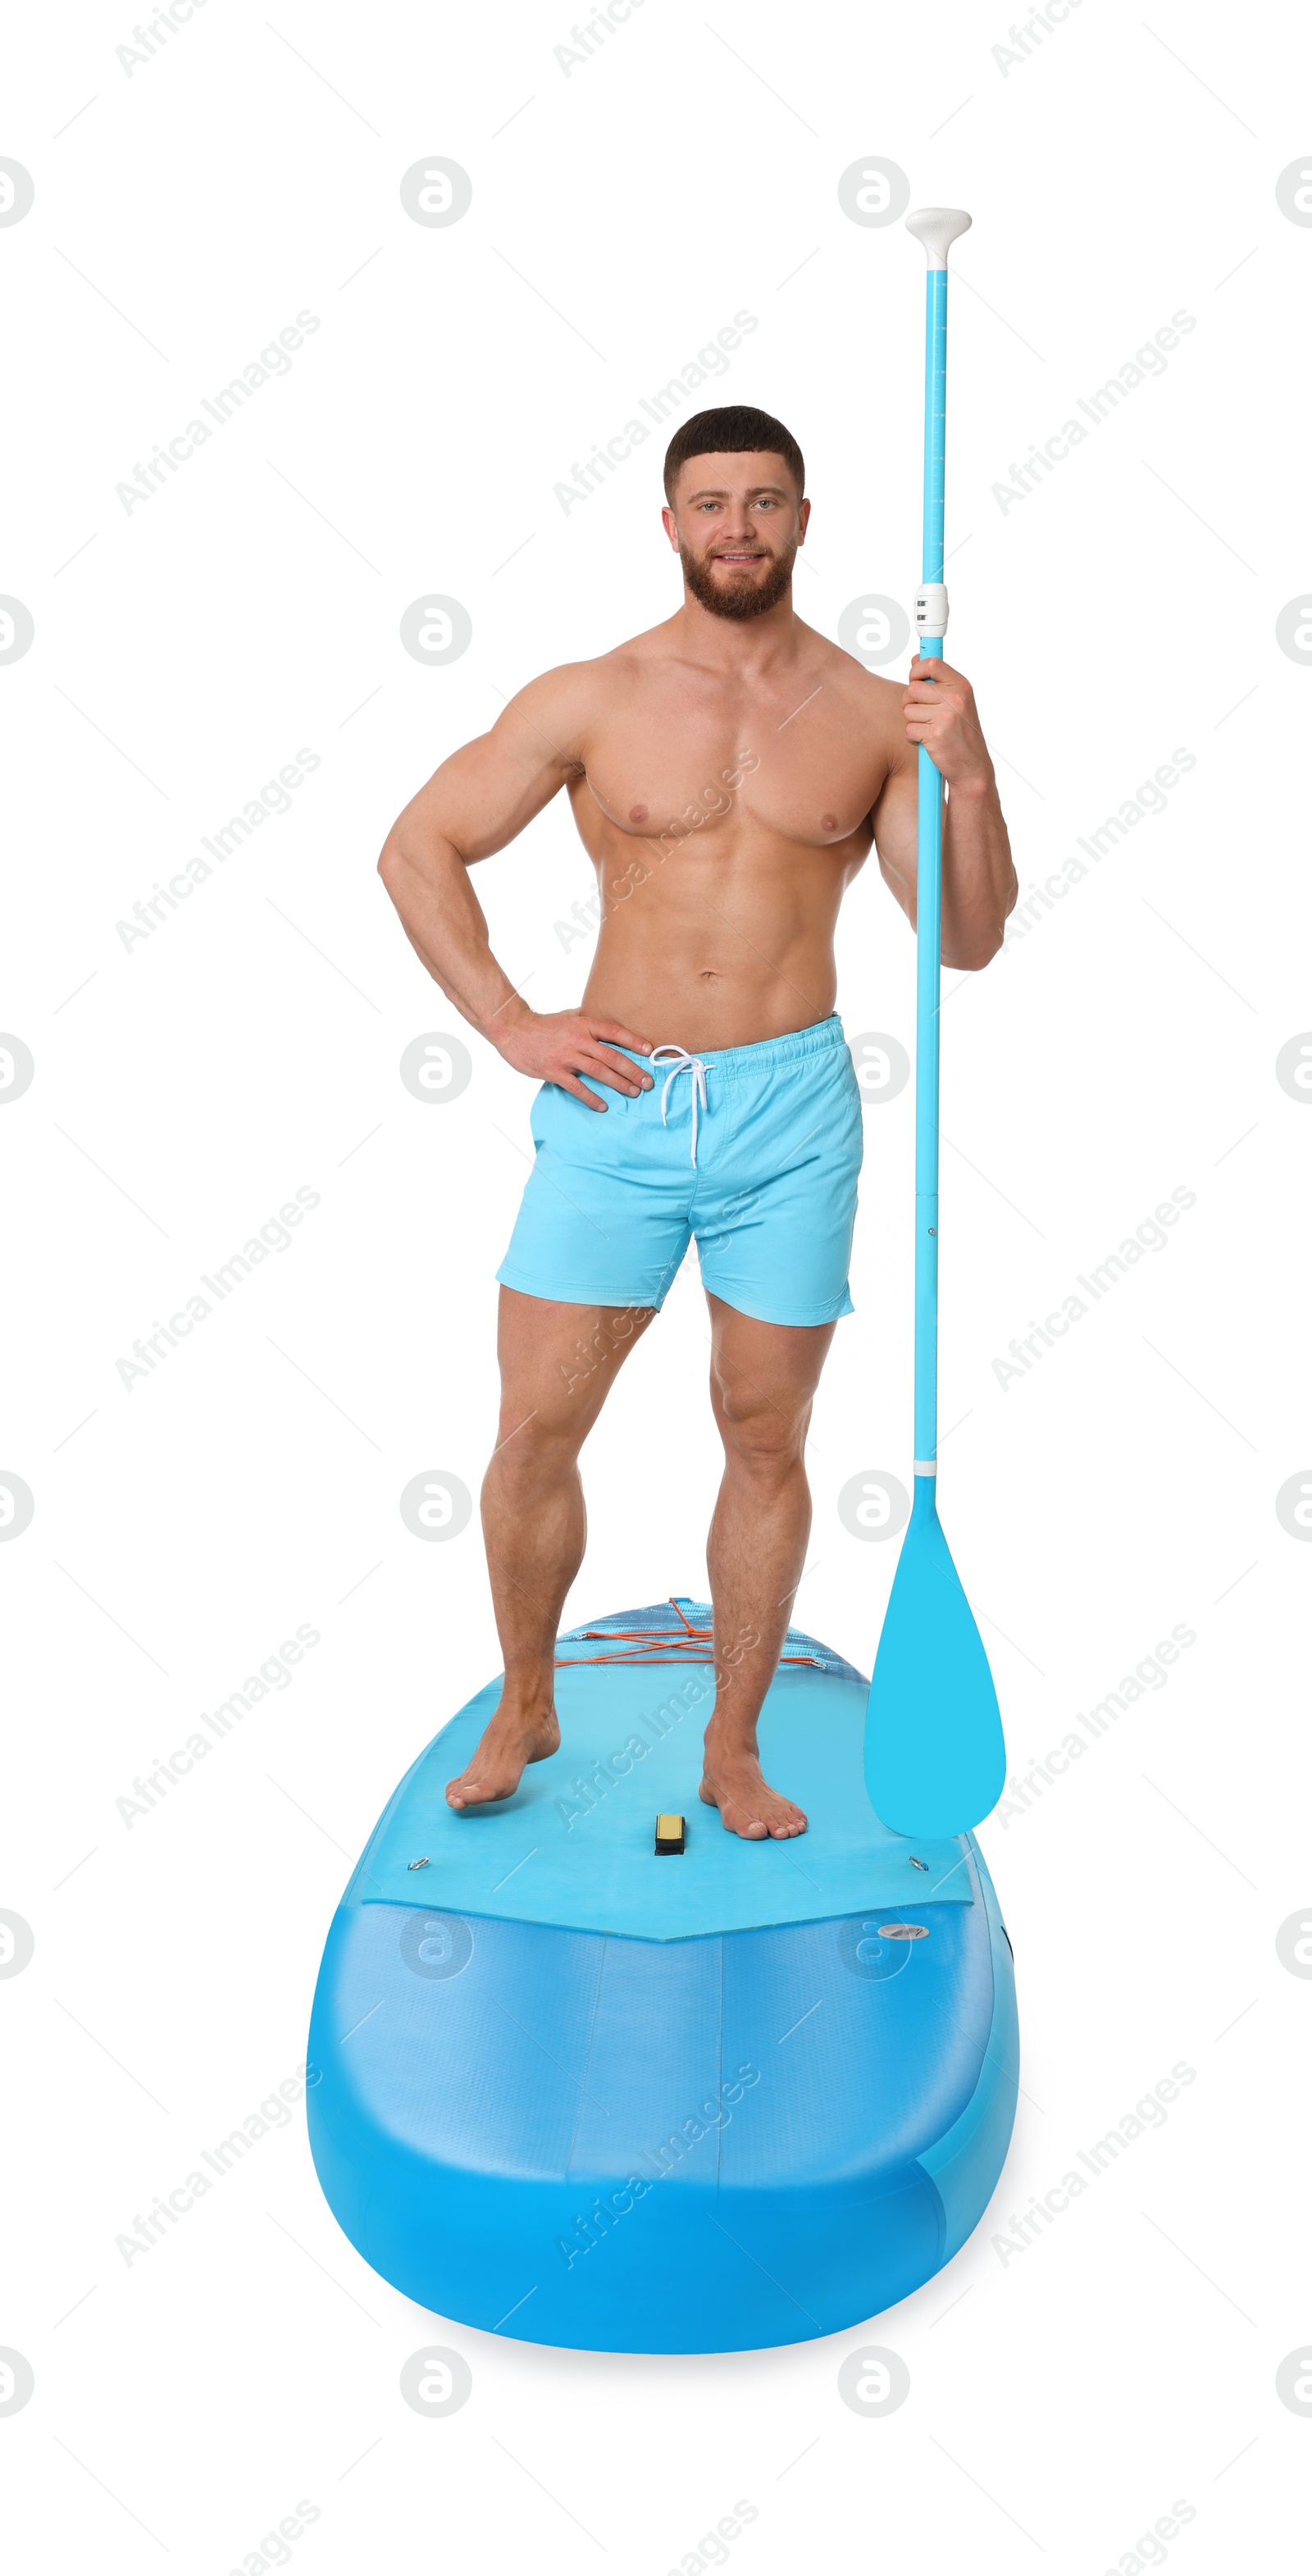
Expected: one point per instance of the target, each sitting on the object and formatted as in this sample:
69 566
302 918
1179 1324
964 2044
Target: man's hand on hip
558 1046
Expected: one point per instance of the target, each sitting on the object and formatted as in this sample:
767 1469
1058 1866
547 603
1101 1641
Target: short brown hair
736 429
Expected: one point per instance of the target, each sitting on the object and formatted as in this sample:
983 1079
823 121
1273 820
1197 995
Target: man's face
736 523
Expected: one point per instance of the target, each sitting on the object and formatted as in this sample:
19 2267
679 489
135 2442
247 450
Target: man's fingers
618 1036
570 1064
570 1082
597 1070
601 1066
630 1072
590 1062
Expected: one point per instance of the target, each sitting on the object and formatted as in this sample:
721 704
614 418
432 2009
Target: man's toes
470 1793
753 1830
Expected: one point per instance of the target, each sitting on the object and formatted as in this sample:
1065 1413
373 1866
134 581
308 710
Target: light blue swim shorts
755 1150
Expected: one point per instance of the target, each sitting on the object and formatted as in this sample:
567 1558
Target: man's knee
760 1430
533 1439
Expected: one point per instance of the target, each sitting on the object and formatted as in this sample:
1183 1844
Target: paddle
935 1760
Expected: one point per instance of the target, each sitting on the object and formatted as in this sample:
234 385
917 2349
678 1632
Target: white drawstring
684 1063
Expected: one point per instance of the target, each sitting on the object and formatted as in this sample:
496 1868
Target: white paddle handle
938 227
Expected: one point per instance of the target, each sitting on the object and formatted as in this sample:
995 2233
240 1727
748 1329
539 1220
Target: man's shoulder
619 664
868 689
866 707
637 656
564 701
574 695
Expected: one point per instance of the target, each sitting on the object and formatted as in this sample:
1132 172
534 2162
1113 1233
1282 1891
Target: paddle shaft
935 1760
929 906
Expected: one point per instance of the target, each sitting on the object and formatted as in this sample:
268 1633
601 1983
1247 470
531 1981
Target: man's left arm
979 881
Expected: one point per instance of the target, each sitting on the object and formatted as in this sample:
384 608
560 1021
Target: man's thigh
776 1205
767 1373
558 1361
604 1221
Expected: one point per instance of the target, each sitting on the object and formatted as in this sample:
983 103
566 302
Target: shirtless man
729 771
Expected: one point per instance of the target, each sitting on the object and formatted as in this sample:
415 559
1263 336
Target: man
728 771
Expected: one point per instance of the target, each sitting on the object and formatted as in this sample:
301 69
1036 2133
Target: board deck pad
574 1846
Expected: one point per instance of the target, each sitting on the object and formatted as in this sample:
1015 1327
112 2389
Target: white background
623 210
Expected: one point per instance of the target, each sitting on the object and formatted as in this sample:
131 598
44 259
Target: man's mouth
740 555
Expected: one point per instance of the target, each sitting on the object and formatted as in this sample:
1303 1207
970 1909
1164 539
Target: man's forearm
979 881
444 922
428 881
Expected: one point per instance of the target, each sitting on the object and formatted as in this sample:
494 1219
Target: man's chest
801 773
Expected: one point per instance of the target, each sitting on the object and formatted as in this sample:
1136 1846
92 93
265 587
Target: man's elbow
410 857
399 868
980 953
980 950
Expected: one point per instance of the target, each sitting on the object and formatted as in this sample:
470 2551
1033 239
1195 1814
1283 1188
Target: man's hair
734 430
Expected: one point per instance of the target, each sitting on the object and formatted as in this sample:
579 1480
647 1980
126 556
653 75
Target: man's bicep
488 791
895 832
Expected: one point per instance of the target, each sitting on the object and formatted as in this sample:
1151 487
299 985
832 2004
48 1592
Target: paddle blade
934 1753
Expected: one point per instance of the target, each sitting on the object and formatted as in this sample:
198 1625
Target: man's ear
671 526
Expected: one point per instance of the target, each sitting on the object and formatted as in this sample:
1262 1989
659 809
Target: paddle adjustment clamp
931 609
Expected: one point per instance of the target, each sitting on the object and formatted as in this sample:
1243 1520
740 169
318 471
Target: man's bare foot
510 1740
733 1782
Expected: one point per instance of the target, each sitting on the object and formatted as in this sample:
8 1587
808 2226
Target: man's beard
746 598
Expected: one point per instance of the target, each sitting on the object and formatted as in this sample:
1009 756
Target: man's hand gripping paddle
934 1755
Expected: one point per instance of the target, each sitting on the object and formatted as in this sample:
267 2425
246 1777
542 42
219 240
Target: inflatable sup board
594 2072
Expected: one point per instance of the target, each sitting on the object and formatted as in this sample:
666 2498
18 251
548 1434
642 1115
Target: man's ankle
527 1695
724 1740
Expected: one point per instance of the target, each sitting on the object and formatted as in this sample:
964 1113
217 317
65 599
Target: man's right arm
478 801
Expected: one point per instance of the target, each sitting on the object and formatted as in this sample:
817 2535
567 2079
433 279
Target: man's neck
741 648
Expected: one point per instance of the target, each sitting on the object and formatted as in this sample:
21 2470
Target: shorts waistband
746 1062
